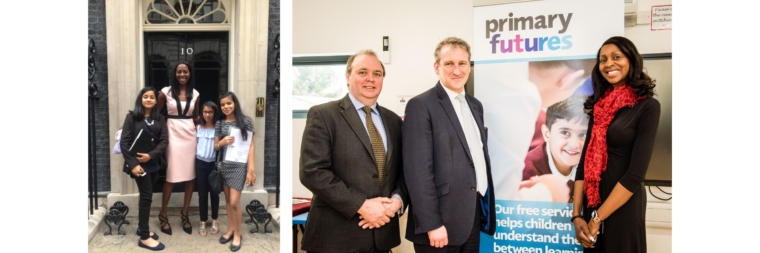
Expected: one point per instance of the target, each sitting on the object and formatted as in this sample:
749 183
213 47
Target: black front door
206 52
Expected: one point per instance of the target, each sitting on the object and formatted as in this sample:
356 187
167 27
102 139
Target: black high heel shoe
232 245
165 222
186 224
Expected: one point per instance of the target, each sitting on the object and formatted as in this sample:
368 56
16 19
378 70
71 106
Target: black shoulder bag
215 178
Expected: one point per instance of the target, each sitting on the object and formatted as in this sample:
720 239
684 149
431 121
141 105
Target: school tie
473 142
377 143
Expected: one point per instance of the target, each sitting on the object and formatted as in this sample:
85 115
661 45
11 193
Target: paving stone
180 241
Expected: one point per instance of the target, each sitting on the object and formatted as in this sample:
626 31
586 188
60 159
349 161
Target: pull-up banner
533 63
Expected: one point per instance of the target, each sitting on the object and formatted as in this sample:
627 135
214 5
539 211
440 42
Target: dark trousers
471 245
202 170
145 185
371 250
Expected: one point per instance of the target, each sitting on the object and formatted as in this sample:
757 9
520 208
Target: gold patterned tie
377 143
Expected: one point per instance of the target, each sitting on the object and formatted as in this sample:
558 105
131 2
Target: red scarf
596 153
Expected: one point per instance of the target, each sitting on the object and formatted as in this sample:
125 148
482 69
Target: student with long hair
205 162
236 175
182 107
609 197
143 167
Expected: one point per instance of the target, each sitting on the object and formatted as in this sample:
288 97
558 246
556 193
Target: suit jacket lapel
352 117
449 108
478 118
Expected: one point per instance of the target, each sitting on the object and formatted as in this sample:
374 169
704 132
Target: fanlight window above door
186 12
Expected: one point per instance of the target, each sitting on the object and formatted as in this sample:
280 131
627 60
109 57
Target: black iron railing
92 173
276 94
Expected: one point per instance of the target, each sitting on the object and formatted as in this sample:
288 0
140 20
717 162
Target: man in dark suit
351 162
446 162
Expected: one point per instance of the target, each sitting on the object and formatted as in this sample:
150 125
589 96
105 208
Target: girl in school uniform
236 174
143 167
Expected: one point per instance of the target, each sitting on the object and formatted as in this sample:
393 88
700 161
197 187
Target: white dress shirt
479 162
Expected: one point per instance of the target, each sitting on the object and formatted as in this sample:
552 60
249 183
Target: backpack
117 148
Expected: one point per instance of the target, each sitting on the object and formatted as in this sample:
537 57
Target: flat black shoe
158 247
223 240
164 222
186 224
154 236
236 248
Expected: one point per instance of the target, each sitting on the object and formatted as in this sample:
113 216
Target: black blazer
337 165
129 132
439 170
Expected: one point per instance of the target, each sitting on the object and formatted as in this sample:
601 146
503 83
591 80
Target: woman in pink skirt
182 105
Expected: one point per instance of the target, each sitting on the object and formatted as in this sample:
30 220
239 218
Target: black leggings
145 185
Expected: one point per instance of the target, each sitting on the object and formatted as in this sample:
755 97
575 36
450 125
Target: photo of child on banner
553 162
563 85
556 81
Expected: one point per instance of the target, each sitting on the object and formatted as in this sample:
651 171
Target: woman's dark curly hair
636 78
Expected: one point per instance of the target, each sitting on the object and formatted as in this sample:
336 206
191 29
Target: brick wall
96 30
271 170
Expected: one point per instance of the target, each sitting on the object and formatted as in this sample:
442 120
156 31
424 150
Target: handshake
376 212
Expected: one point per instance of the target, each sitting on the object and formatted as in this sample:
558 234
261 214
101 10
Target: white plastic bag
117 148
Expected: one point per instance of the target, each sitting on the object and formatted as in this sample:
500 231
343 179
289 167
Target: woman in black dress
144 120
609 205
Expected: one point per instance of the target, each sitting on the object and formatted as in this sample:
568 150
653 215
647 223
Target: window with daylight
186 12
318 79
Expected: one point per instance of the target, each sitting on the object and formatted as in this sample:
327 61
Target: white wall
646 40
414 29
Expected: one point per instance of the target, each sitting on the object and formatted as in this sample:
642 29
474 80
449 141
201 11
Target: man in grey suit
351 162
446 163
